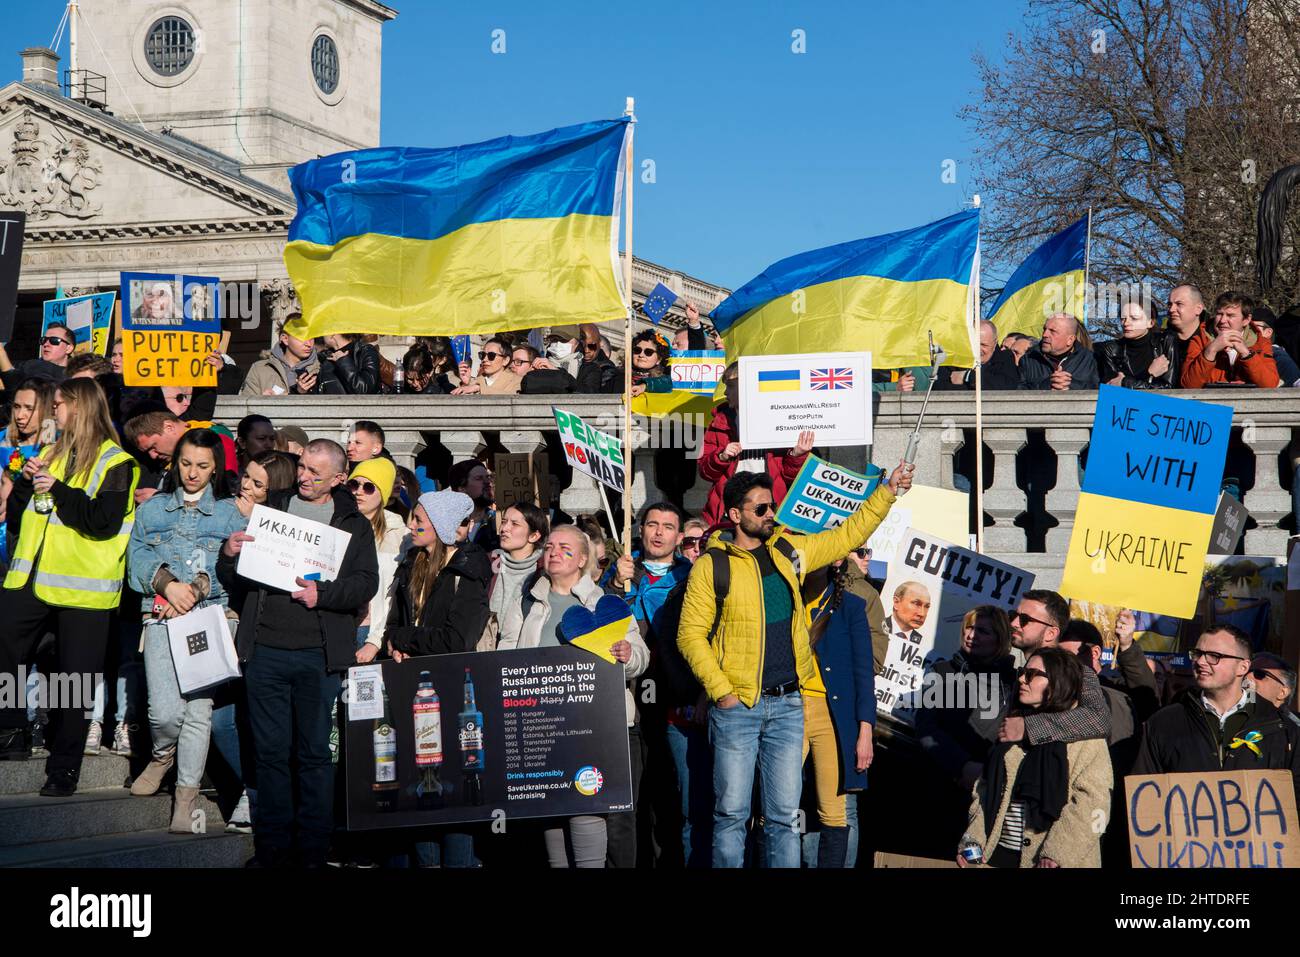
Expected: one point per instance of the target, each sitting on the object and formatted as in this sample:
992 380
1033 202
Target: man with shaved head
1059 363
298 644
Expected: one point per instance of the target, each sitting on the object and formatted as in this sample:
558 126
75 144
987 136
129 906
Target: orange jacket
1258 368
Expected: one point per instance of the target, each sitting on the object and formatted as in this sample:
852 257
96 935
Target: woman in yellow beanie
371 483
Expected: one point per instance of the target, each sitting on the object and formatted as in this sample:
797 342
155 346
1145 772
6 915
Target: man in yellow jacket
754 660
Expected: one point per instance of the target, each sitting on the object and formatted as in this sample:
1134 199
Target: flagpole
1087 263
979 397
630 112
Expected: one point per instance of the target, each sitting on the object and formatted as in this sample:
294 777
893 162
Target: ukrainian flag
1050 280
879 295
779 380
513 233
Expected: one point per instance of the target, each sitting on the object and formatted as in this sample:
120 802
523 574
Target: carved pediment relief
46 175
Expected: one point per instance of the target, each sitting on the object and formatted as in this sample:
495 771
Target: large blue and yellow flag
881 295
512 233
1049 281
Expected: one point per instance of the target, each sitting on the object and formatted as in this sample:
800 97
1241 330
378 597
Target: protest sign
697 371
941 512
12 224
89 317
538 732
886 859
521 477
932 584
1142 527
590 450
285 548
827 393
823 495
1229 524
1223 819
170 325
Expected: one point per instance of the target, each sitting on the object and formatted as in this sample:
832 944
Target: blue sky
759 152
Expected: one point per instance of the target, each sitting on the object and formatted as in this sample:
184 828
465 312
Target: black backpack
668 666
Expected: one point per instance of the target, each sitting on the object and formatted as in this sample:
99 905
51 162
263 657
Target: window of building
169 46
325 64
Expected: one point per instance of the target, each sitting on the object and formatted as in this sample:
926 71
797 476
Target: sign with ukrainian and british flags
828 394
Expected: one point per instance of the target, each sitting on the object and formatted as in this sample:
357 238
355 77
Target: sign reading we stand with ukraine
827 393
1142 529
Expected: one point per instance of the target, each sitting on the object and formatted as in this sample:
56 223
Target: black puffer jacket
355 372
1117 356
455 613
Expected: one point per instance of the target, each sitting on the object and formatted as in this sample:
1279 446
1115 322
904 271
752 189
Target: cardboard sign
885 859
1229 525
1225 819
697 370
537 732
828 394
932 583
589 450
89 317
286 548
941 512
170 325
11 263
824 496
1142 526
521 477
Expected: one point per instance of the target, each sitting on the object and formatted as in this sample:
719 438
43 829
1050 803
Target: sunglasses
691 541
491 355
361 485
647 352
1020 618
590 346
54 341
862 552
1029 674
1260 674
1213 657
761 509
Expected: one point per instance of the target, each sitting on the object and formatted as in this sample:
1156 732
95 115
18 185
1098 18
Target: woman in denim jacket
172 560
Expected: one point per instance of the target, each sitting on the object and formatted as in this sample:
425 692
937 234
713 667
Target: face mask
559 350
658 569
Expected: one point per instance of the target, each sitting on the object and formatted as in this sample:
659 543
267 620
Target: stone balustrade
465 425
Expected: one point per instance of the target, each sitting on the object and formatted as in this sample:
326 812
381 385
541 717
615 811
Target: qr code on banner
364 692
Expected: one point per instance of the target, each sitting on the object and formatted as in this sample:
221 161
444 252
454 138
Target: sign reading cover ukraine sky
827 393
1149 495
823 495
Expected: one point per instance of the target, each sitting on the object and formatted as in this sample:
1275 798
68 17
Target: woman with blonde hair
76 504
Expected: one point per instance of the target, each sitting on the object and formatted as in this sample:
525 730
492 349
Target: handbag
203 649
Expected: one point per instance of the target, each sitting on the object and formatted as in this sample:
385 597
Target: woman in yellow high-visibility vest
75 502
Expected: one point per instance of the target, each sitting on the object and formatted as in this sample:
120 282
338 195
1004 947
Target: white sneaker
241 820
94 738
122 739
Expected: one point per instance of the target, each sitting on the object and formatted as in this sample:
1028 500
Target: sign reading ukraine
828 394
823 496
1142 529
511 233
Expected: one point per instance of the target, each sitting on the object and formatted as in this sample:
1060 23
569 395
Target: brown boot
187 800
151 778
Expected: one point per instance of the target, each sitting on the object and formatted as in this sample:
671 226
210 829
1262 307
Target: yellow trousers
819 738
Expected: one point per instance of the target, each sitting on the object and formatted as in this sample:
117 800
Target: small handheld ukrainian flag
1050 280
880 295
512 233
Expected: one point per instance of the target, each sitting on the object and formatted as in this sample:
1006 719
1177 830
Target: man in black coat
1059 362
597 373
998 370
297 646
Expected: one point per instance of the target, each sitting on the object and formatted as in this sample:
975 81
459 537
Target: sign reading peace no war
170 325
1143 523
589 450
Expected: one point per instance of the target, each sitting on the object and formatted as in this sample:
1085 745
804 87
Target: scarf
1042 783
510 576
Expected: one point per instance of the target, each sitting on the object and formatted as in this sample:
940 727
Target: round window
325 64
169 46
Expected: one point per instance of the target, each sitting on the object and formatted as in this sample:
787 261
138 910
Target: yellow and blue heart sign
597 630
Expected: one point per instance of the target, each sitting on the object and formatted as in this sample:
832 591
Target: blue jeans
770 734
289 699
450 850
694 762
813 838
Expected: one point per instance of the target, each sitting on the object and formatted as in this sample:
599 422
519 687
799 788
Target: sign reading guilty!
1143 524
170 325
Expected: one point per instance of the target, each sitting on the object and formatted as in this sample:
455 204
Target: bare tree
1165 116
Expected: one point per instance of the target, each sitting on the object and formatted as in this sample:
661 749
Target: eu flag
658 303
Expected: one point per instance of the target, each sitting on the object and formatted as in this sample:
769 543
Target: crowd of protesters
761 744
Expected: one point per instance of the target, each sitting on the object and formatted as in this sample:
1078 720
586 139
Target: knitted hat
381 472
447 509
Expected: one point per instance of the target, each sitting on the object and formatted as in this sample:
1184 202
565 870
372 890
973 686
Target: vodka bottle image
384 738
471 744
427 711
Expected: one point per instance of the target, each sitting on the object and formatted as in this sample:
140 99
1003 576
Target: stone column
1063 498
462 445
581 495
1268 503
1004 500
404 445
